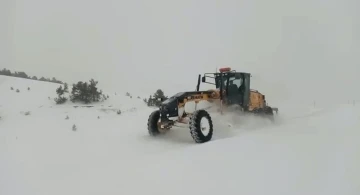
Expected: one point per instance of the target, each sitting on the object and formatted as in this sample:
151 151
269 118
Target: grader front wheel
154 124
153 127
201 126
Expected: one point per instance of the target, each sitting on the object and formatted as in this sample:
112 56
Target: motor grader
231 88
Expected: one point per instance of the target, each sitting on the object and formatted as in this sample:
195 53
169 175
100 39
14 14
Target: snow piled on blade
306 151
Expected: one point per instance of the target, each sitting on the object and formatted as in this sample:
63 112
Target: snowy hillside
307 151
40 97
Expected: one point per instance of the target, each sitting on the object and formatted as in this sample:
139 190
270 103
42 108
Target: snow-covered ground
307 151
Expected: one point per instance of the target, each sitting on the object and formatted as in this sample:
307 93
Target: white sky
302 47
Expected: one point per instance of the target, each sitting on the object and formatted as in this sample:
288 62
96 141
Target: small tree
76 94
61 91
93 91
150 101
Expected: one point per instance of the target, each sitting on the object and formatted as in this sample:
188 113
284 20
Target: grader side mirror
203 79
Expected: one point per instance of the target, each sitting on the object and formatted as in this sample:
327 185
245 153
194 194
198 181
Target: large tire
153 123
201 126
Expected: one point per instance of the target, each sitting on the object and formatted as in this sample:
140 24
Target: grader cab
235 88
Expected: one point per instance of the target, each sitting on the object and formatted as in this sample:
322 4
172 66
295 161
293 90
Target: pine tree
159 94
82 91
158 98
61 91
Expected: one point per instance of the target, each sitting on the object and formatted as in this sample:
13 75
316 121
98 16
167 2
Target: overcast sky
302 47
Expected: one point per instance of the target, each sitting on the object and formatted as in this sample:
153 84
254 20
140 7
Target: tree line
82 91
7 72
87 92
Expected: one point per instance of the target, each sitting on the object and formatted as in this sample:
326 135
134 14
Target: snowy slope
41 97
308 151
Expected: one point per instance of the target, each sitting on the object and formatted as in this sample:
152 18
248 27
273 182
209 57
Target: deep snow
308 151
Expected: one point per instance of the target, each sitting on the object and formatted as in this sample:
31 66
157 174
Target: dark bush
86 92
